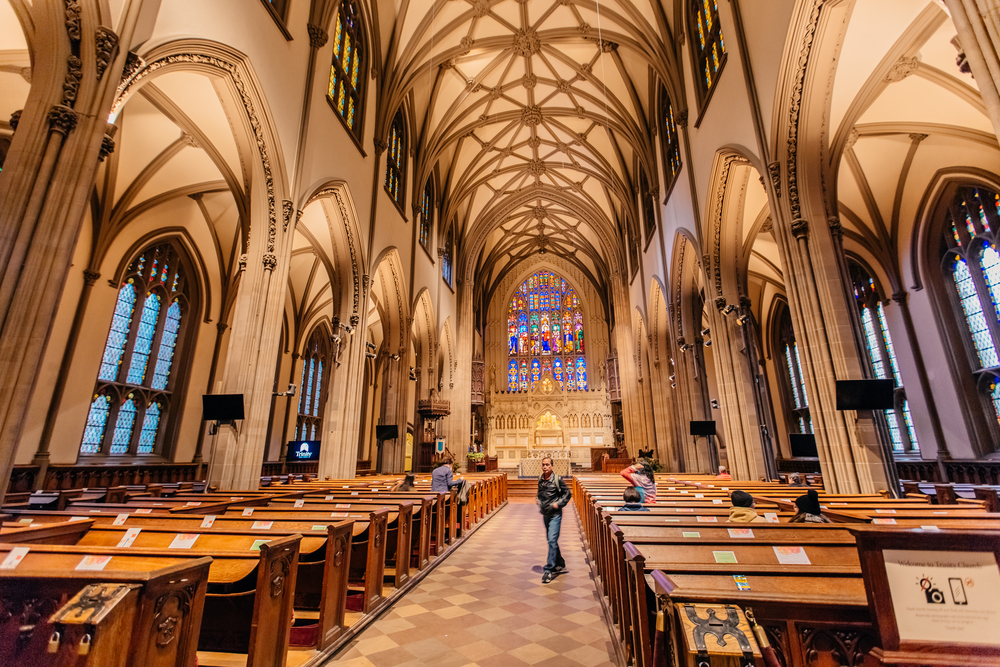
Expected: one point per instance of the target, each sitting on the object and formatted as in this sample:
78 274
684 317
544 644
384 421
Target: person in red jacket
641 477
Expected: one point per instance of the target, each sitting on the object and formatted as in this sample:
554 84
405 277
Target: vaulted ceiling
533 119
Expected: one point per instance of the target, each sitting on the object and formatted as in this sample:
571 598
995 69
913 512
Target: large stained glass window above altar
545 335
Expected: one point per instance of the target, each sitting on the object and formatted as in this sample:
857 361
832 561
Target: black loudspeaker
221 407
388 432
702 428
803 445
865 395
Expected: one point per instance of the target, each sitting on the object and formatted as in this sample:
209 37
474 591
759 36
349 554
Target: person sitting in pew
809 509
633 501
723 473
441 478
408 483
743 510
795 480
641 477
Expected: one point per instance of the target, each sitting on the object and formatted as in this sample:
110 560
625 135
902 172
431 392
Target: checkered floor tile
485 606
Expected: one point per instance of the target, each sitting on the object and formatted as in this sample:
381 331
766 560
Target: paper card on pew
683 491
27 521
724 556
256 544
929 528
885 511
184 541
671 488
93 563
792 555
192 504
319 526
336 515
716 501
741 532
691 534
299 503
208 521
236 497
328 498
354 493
15 556
345 487
708 519
771 517
144 510
725 488
699 495
342 505
673 520
685 509
248 511
120 519
129 537
262 525
741 582
79 518
889 522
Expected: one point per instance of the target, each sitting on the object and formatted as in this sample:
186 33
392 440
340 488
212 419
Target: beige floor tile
532 653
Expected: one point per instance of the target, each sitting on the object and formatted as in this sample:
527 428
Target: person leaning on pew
743 510
408 483
633 501
441 478
809 509
640 476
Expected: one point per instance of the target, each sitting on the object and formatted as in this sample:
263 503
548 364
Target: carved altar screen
545 335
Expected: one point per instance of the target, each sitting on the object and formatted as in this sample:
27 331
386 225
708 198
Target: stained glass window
446 266
396 160
143 337
648 204
312 392
512 376
797 402
970 260
882 356
706 39
426 213
345 90
671 145
150 424
545 323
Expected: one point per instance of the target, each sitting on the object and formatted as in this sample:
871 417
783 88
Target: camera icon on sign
931 592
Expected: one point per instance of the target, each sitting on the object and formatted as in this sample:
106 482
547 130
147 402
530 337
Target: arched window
671 145
709 51
347 72
446 262
971 264
787 351
648 204
882 356
139 367
426 213
545 334
396 161
312 392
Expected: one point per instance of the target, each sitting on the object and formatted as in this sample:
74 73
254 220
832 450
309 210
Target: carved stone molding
903 68
318 36
106 41
795 105
270 260
107 148
800 228
380 146
71 82
441 252
527 43
608 46
720 302
62 119
287 208
90 277
682 118
15 118
836 228
774 171
899 297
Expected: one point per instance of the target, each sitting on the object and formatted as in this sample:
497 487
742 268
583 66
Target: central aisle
485 605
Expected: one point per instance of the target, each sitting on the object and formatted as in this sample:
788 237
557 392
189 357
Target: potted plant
477 459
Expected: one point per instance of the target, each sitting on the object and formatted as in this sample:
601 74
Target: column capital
62 119
899 297
318 36
90 277
107 148
836 228
720 302
15 118
800 228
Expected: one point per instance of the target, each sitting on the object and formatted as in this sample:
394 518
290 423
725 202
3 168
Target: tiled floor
485 606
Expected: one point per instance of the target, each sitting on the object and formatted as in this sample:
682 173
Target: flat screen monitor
386 432
221 407
803 445
303 450
702 428
865 395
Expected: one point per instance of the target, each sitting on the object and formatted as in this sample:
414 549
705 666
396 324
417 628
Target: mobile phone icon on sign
957 591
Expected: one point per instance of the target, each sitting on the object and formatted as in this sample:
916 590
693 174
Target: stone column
978 26
238 451
627 379
459 423
45 187
342 413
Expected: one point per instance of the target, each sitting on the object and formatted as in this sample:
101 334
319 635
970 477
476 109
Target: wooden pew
155 622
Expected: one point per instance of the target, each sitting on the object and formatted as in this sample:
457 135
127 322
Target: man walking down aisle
553 496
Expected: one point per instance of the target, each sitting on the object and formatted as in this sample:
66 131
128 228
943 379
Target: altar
532 466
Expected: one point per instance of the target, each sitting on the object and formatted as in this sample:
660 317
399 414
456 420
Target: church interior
269 257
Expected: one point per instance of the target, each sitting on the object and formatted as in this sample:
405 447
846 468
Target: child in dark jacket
633 501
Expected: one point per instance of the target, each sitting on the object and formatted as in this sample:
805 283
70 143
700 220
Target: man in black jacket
553 496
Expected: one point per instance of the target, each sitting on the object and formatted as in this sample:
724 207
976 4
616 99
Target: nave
485 606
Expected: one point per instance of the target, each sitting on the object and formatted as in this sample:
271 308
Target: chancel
467 238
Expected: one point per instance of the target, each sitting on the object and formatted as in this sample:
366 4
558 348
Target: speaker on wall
221 407
386 432
803 445
702 428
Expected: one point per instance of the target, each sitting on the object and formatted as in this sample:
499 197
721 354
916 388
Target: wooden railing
799 465
272 468
959 472
23 477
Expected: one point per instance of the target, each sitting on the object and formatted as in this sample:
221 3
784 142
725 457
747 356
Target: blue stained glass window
791 376
888 345
536 370
990 263
144 339
97 419
123 427
302 386
319 384
908 420
524 375
557 372
871 340
512 376
974 317
581 374
150 423
309 384
118 336
168 341
802 386
995 396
